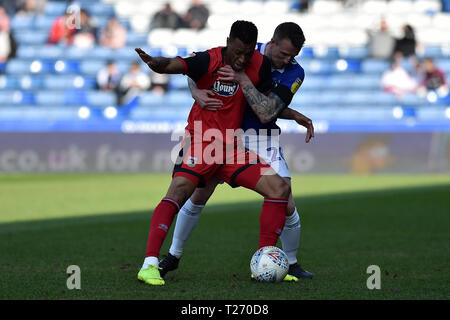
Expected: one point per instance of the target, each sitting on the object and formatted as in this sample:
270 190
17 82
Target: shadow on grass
342 240
412 193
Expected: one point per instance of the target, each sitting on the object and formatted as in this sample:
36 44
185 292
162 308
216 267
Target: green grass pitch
101 222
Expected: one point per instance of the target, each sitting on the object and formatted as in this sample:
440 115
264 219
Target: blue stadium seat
16 97
27 51
374 66
431 113
328 53
9 82
305 98
412 100
126 53
100 9
55 8
66 66
315 66
357 97
178 81
77 53
99 52
21 23
384 98
329 97
49 52
444 65
101 98
91 67
306 52
27 82
355 53
151 99
31 38
77 97
135 39
50 98
43 22
17 66
58 82
433 52
179 98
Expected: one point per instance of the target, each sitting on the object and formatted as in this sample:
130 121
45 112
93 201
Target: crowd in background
83 32
425 75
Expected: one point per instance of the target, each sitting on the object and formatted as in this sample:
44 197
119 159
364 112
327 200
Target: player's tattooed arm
161 64
301 119
266 107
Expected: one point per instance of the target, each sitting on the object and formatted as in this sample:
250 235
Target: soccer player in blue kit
260 135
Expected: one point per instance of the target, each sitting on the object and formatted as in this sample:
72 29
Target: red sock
271 221
161 221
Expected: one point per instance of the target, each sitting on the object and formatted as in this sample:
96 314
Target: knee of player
180 190
285 190
281 190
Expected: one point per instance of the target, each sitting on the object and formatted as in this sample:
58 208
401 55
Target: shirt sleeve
289 84
265 76
196 65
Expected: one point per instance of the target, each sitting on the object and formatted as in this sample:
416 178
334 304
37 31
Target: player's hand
206 100
228 74
144 56
308 124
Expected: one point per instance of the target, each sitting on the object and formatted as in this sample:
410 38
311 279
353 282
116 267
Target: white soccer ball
269 264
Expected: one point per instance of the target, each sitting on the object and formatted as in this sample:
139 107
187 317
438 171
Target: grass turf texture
101 223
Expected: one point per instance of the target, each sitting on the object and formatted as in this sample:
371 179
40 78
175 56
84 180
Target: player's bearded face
238 54
282 52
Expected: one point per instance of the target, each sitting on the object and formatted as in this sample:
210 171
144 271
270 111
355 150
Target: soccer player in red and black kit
194 171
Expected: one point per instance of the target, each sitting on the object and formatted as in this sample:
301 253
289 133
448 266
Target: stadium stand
342 81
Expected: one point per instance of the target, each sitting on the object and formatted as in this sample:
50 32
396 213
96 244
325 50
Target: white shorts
268 148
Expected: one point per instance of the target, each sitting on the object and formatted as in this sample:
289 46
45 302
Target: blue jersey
285 83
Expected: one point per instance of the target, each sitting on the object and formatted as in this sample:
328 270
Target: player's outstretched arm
301 119
161 64
265 107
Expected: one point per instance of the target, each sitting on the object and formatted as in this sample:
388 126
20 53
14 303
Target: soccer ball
269 264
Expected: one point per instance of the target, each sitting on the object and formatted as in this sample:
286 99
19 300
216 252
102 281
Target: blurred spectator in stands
300 5
108 78
197 15
166 18
86 35
133 83
5 47
63 29
10 6
405 47
30 7
397 80
8 45
160 83
381 42
433 79
114 35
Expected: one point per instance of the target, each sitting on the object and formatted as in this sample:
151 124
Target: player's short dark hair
291 31
245 31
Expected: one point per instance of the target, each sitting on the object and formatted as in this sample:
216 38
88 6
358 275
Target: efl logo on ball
269 264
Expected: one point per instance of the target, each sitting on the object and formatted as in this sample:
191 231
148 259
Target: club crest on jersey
191 161
225 89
